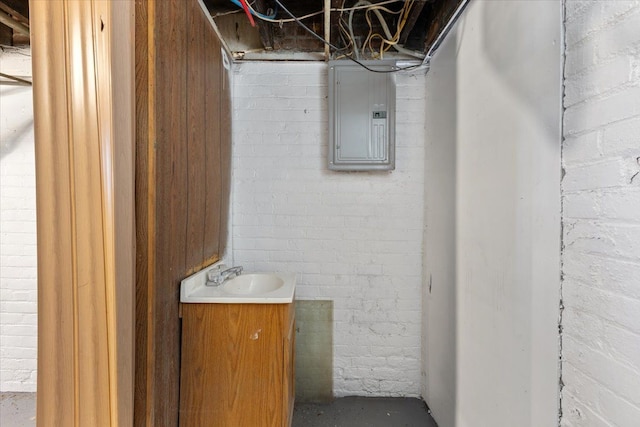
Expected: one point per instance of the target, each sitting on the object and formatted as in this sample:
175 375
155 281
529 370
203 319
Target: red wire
248 12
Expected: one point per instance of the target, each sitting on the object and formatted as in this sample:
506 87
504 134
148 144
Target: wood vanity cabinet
237 366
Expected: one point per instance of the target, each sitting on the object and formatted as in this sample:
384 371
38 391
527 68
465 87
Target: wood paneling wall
83 108
183 148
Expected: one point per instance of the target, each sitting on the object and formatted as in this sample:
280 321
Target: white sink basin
253 284
250 288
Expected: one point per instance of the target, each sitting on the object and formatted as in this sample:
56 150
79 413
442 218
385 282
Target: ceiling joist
365 29
14 22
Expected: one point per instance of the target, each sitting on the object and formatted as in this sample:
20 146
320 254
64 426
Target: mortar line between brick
588 344
609 323
608 257
586 374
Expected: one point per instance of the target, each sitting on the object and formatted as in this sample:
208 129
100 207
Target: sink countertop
193 289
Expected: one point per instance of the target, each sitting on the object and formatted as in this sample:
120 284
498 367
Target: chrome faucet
217 276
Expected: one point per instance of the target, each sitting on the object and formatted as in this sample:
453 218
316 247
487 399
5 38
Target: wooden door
83 62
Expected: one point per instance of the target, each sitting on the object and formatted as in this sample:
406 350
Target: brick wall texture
18 287
354 238
601 215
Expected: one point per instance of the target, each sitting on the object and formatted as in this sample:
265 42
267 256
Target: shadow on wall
12 136
518 53
10 142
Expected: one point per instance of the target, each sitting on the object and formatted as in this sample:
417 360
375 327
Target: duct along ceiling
360 29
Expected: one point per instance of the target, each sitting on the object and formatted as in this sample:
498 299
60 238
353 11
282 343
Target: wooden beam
439 17
6 35
16 8
10 21
416 10
327 29
264 27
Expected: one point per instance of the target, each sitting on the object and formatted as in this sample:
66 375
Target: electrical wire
245 6
323 40
391 40
253 11
376 9
345 34
272 19
347 9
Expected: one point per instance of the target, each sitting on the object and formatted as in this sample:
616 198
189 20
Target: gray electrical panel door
361 116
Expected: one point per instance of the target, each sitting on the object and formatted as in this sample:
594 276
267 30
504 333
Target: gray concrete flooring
17 409
364 412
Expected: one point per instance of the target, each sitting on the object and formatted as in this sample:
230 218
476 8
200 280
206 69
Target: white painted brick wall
354 238
18 288
601 204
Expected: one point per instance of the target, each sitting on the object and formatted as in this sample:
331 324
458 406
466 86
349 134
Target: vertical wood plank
115 63
143 22
56 380
90 299
213 174
196 133
181 176
171 188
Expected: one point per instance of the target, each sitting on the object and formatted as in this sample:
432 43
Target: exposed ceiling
14 22
355 28
14 31
363 29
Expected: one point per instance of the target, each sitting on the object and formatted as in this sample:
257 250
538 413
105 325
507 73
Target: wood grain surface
234 361
83 100
182 185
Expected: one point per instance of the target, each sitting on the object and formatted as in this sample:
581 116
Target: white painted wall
508 234
18 285
503 71
601 221
354 238
439 290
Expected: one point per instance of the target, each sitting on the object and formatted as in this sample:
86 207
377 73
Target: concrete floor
19 410
364 412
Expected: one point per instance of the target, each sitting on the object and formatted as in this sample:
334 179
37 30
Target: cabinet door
231 367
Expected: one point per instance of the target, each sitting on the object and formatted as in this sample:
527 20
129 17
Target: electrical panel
361 115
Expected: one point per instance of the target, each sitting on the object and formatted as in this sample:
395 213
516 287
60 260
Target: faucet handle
213 275
212 271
